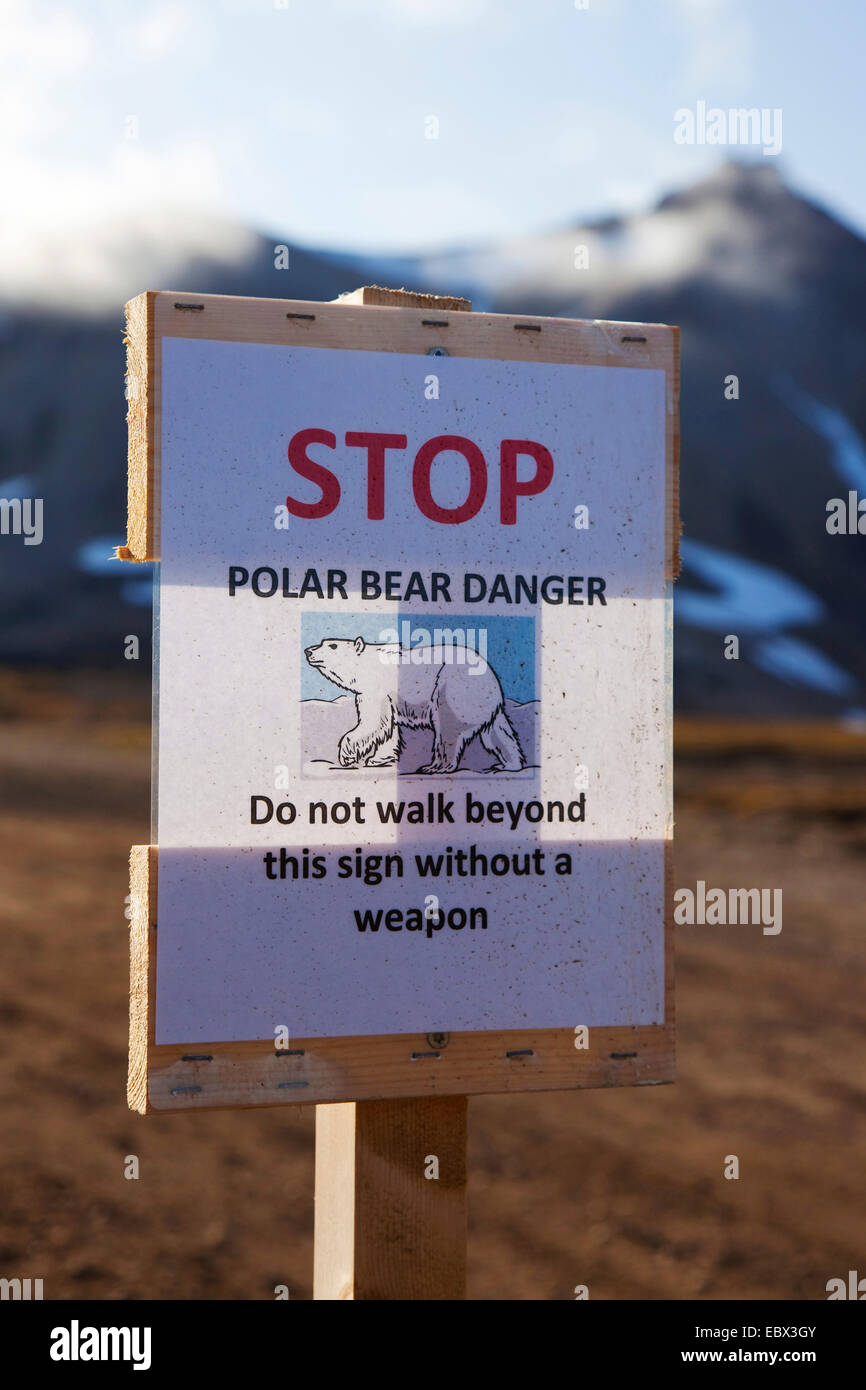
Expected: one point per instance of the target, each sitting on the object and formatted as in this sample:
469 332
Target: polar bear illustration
447 688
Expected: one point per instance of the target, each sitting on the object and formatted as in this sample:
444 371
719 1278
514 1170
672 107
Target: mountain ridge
767 288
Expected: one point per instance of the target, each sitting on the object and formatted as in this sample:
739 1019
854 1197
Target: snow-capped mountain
767 288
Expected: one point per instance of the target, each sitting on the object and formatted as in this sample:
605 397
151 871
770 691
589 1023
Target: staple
286 1085
522 1052
529 327
417 1055
627 339
434 323
182 1090
300 316
198 1057
618 1056
198 308
288 1052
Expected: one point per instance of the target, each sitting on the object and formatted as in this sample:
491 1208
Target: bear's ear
360 644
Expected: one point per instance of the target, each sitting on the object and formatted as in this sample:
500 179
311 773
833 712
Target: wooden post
391 1199
391 1174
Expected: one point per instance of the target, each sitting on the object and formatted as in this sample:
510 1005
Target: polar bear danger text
394 586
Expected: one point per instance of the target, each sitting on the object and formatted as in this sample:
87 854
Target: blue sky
306 118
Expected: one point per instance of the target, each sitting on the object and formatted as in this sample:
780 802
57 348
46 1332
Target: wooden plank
335 1187
141 361
377 295
213 1075
369 327
142 968
383 1229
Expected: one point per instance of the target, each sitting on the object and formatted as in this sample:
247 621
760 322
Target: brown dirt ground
622 1190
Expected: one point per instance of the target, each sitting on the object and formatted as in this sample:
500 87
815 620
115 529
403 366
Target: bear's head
340 659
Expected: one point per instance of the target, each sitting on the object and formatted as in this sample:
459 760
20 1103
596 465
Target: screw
437 352
438 1040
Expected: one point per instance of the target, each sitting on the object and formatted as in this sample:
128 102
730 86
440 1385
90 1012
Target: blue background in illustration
510 644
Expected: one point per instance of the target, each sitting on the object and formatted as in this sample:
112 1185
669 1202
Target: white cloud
719 44
658 248
92 217
450 14
88 238
159 31
53 39
699 8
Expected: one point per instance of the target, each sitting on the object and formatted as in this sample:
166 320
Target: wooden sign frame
324 1070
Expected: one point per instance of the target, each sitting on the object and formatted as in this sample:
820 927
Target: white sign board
412 756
